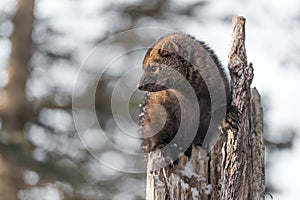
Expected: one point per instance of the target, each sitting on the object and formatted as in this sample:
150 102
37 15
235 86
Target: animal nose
141 87
143 83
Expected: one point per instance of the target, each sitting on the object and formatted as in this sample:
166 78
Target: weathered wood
215 169
234 169
236 166
258 148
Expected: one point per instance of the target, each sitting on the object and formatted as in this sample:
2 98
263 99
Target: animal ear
168 48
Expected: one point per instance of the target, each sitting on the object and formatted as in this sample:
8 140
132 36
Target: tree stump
234 168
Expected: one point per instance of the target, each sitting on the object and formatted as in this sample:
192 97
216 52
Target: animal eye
153 68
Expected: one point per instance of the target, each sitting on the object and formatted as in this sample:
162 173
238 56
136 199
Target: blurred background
44 42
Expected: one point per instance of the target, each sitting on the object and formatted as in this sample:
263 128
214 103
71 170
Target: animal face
160 70
154 78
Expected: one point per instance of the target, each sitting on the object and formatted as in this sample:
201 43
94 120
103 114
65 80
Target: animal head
161 65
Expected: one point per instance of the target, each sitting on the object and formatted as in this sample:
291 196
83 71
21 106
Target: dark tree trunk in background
234 169
15 110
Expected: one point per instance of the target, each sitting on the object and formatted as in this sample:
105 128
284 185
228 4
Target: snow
188 171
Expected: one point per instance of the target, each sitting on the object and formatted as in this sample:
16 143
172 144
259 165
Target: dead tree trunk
234 169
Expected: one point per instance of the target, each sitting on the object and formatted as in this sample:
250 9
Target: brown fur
161 112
